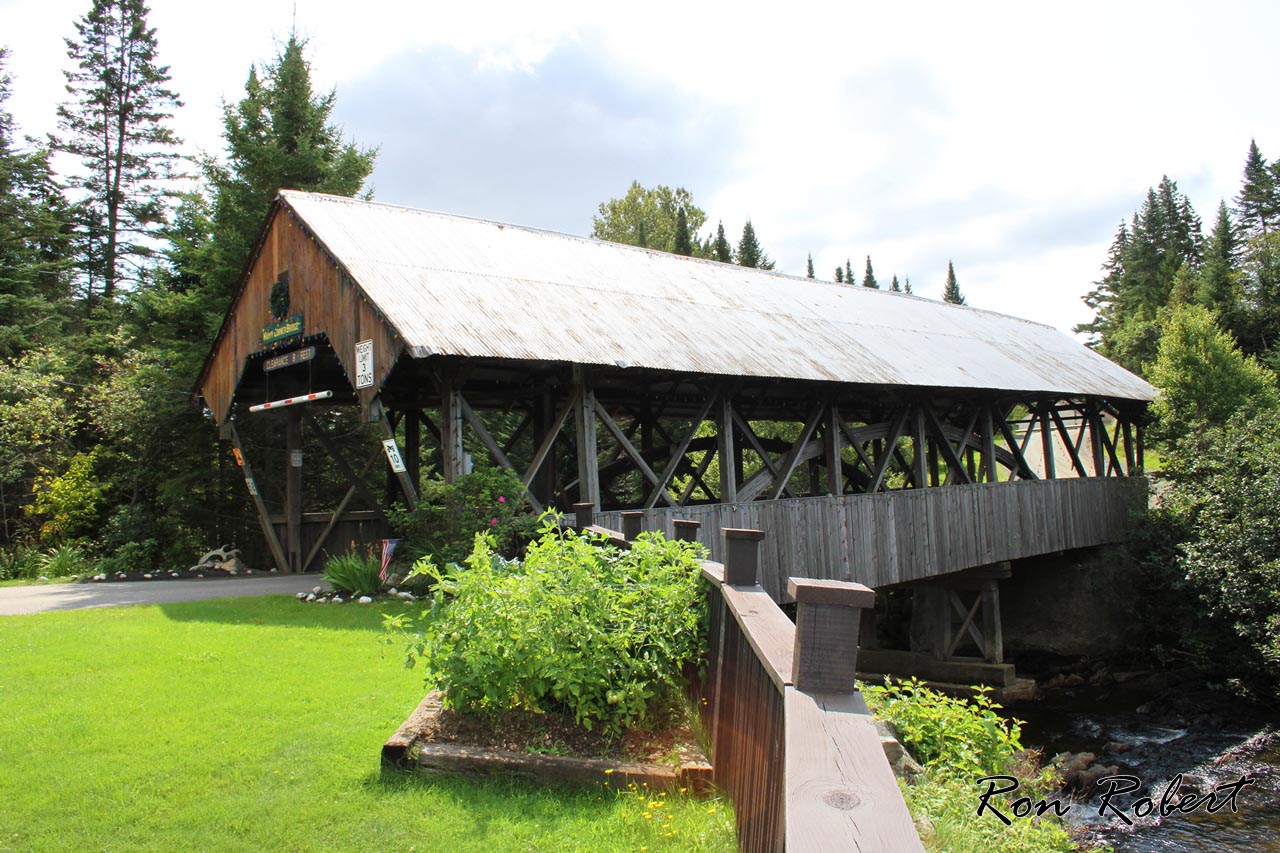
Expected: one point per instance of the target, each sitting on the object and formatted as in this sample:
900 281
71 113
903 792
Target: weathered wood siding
363 528
894 537
328 302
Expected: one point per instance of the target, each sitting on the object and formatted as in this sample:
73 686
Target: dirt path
17 600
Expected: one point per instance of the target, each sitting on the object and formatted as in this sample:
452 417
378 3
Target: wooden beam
268 529
452 455
919 443
293 488
1073 449
1096 433
630 449
695 478
990 473
478 427
754 441
832 436
673 463
584 422
549 438
968 472
389 434
793 455
1129 459
954 464
725 449
337 513
1046 443
882 465
1022 468
413 447
345 467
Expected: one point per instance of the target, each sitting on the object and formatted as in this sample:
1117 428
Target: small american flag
388 549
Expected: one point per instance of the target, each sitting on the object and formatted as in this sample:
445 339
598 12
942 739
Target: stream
1200 738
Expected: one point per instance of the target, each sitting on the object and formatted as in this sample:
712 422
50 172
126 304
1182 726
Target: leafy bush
19 562
448 517
578 627
964 737
354 573
68 503
944 806
63 561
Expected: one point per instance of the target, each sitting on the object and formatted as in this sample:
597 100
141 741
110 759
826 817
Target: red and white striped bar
291 401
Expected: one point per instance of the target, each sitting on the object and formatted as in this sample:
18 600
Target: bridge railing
894 537
793 744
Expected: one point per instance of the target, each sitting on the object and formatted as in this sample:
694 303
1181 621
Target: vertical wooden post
686 529
583 515
1138 442
992 630
451 452
293 488
543 484
990 472
264 518
825 655
742 556
725 449
632 524
1046 443
1129 458
833 443
919 470
413 447
1095 440
584 421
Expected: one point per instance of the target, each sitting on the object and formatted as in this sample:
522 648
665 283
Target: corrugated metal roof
452 285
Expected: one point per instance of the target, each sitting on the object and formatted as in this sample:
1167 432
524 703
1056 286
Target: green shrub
944 808
63 561
444 525
964 737
19 562
354 572
577 627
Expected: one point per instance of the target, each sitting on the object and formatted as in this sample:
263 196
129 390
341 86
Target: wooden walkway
894 537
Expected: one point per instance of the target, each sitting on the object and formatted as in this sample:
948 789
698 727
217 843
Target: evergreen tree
116 124
848 271
683 244
33 246
906 285
894 286
278 137
1258 204
749 252
720 248
839 275
869 277
809 267
951 291
651 215
1218 285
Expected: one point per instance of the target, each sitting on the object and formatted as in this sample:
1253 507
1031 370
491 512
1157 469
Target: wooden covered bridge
876 437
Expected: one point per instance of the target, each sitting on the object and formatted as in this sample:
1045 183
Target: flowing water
1210 750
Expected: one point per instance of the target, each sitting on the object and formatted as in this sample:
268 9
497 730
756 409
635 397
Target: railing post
742 556
686 529
584 515
632 524
825 656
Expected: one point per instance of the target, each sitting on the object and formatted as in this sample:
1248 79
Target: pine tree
869 277
894 286
749 252
720 248
683 245
809 268
278 136
1218 285
848 271
839 275
116 124
906 285
33 246
951 291
1258 205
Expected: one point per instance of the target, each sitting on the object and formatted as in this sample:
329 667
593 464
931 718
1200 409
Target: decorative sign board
295 458
364 364
393 455
298 356
282 331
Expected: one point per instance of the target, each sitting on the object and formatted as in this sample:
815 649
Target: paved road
16 600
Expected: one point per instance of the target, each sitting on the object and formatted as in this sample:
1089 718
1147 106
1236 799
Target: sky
1008 138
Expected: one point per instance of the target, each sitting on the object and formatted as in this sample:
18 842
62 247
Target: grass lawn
255 724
